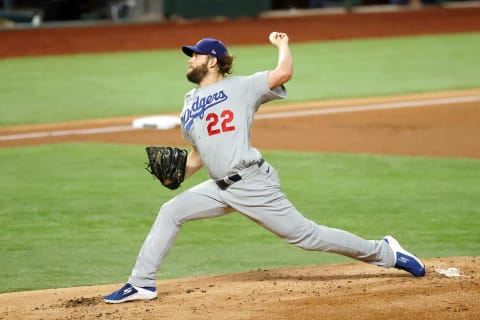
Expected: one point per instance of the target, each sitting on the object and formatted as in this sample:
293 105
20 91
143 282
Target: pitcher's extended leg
200 202
269 207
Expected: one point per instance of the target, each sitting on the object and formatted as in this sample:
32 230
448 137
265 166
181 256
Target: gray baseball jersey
217 120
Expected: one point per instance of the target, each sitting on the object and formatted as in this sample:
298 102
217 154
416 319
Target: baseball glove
167 164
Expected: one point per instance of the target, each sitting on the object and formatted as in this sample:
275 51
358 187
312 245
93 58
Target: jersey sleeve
258 85
186 136
185 133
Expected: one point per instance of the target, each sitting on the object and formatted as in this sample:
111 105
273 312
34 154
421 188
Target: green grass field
77 214
52 89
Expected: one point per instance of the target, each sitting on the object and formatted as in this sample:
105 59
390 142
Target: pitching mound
343 291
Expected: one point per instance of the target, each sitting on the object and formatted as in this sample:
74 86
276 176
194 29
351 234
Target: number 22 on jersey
220 123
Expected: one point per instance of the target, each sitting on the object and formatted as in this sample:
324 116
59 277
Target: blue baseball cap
208 46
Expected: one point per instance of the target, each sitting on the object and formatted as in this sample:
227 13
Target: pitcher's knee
168 213
306 238
305 243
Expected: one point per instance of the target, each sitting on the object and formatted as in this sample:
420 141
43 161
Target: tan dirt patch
342 291
445 130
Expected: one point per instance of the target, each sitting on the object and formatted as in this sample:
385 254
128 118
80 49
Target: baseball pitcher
216 119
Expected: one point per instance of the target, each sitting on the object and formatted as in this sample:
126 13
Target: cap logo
214 52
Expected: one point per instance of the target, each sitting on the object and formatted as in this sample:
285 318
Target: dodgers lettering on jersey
199 107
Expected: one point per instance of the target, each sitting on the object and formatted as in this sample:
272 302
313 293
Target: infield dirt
342 291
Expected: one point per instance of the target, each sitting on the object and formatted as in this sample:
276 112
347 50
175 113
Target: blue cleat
131 293
405 260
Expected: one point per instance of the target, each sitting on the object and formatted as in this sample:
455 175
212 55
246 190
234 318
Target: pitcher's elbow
286 77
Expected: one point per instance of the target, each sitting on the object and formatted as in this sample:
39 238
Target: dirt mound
343 291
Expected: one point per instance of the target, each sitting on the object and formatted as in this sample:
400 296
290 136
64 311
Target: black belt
228 181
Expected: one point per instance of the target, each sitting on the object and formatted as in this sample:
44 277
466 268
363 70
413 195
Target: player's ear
212 61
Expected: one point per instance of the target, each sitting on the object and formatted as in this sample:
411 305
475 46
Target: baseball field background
74 211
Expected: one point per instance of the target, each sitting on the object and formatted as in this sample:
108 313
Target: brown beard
197 74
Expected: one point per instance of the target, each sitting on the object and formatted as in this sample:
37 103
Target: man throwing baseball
216 119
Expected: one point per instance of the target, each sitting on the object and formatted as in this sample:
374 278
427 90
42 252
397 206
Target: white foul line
33 135
381 106
276 115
